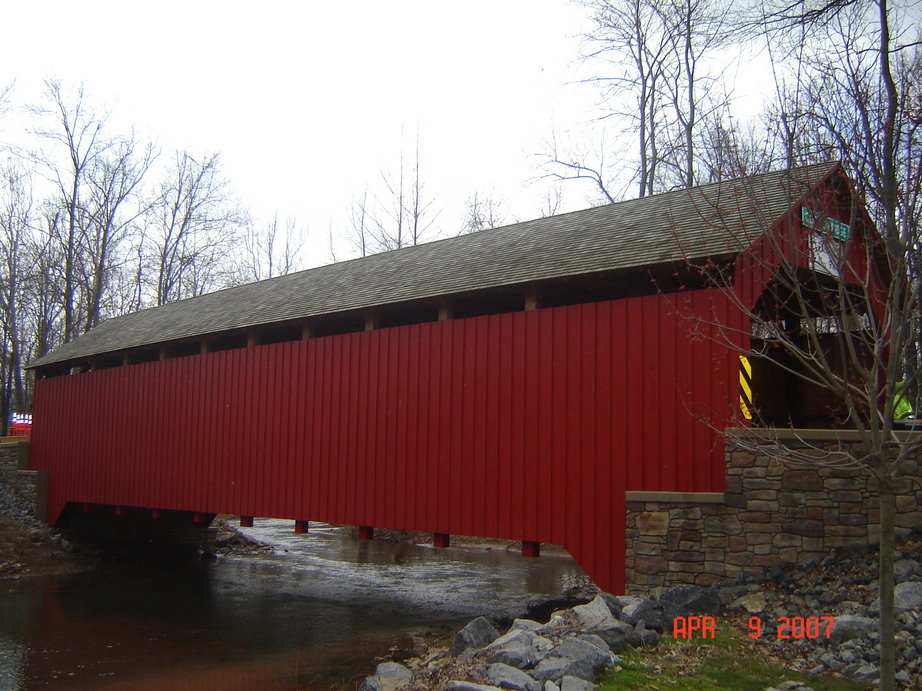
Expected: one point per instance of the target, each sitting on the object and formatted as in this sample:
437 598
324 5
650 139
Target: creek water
312 614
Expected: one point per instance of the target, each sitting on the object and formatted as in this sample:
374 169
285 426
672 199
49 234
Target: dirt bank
35 550
29 547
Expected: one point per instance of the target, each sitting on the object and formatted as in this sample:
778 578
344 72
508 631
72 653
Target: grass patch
731 661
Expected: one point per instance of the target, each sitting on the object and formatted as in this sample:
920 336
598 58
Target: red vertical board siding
516 431
538 453
525 426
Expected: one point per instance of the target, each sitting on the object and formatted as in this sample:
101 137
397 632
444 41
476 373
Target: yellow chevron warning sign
746 387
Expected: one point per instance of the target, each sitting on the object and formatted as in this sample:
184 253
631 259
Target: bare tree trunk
690 120
885 565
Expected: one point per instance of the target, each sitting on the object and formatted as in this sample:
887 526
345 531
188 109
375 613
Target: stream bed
313 613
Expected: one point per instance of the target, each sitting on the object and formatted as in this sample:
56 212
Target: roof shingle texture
703 221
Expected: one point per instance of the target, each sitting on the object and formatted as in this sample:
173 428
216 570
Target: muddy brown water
313 614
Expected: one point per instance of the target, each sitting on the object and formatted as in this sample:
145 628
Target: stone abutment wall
772 511
31 485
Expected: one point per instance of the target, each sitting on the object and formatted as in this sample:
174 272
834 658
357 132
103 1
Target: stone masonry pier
772 512
31 485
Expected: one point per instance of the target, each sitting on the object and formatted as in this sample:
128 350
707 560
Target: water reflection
307 618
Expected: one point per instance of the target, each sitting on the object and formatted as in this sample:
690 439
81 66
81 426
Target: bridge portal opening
798 335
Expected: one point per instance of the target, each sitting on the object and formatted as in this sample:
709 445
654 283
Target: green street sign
837 229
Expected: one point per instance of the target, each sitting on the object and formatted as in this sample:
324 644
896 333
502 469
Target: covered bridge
512 383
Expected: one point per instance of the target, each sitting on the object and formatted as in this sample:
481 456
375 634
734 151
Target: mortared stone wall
772 512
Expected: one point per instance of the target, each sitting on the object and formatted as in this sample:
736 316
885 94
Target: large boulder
556 668
906 569
584 652
595 640
520 648
594 615
478 634
614 605
647 638
517 654
754 603
526 625
372 683
849 627
569 683
508 677
393 675
649 611
622 601
907 596
619 636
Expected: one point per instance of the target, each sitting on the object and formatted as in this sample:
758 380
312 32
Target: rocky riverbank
845 587
786 606
29 547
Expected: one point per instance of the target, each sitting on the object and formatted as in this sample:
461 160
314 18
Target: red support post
198 517
441 539
531 549
366 532
119 510
302 527
87 508
156 513
246 521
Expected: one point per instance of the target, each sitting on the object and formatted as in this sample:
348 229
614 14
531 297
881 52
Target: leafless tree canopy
845 86
397 211
658 91
95 223
841 311
482 211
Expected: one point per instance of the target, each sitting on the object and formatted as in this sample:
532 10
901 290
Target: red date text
795 627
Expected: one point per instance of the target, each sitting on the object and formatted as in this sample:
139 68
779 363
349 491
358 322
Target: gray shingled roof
703 221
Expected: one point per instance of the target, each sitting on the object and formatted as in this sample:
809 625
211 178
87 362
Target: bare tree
113 211
101 238
482 211
695 30
552 200
5 91
730 149
629 35
849 326
567 163
45 306
655 85
359 233
403 211
192 226
268 250
399 215
16 219
76 132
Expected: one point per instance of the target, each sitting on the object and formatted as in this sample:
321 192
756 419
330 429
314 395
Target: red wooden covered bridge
511 383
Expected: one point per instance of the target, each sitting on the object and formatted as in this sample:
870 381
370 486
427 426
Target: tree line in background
107 224
668 113
96 223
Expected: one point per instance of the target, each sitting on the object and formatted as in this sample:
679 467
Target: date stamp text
784 628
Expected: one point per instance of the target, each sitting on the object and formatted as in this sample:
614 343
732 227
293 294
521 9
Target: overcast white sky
307 101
